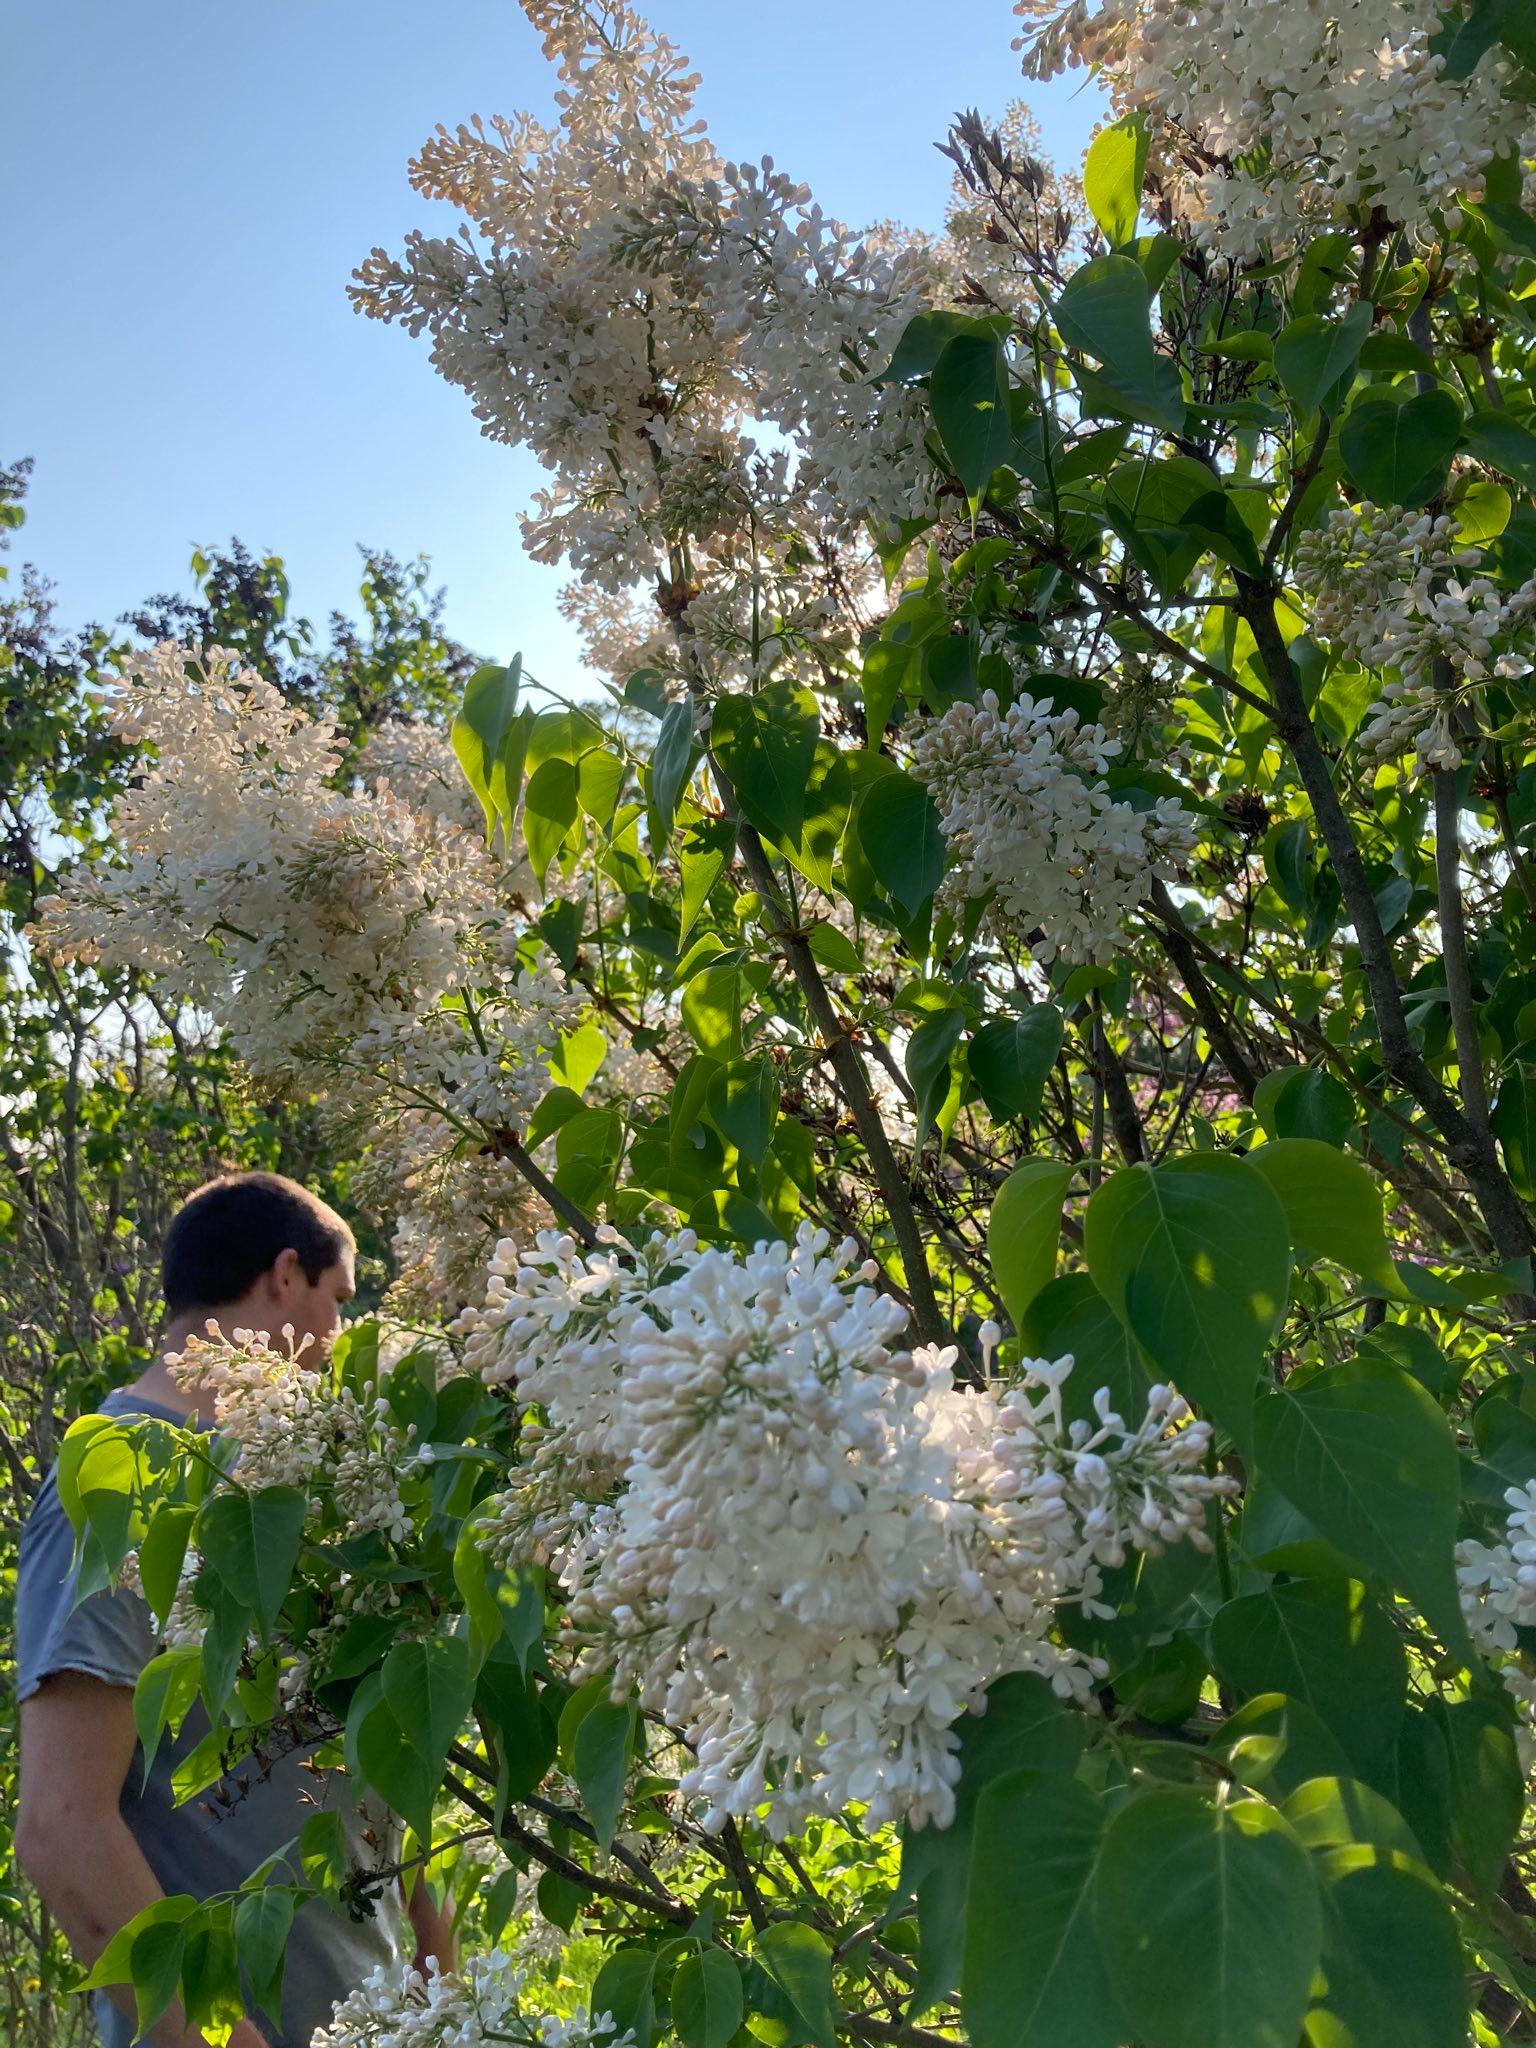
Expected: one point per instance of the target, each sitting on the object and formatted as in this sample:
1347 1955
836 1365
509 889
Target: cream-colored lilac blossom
1278 119
483 2002
803 1545
1032 824
1399 592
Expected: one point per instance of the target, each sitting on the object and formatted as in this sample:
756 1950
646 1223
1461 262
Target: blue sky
188 188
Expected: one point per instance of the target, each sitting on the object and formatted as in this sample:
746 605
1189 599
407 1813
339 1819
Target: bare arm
77 1743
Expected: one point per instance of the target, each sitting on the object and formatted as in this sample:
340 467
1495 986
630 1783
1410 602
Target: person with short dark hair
98 1838
226 1236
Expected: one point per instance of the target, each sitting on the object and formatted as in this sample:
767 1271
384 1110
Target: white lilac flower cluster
296 1425
481 2003
251 886
351 942
483 1053
416 762
1033 826
1397 591
1497 1582
637 311
451 1206
1279 117
803 1545
185 1621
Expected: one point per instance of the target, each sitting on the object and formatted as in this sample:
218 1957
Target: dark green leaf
828 801
929 1065
923 341
473 1576
262 1923
1287 849
560 1899
890 667
599 1760
706 1999
1414 1351
553 1114
387 1759
517 1723
1025 1727
625 1987
428 1687
1517 31
799 1962
1277 1745
1514 1125
744 1102
1392 1967
1106 309
766 743
322 1852
1071 1315
1313 354
1305 1102
1226 1890
1365 1453
155 1962
1504 444
1395 353
1223 531
490 739
1327 1644
252 1541
599 779
899 828
1034 1974
1464 40
1332 1204
1486 1785
1323 267
1009 1058
671 764
969 395
1399 454
1194 1258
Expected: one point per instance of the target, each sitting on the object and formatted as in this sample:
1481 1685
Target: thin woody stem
1470 1147
852 1081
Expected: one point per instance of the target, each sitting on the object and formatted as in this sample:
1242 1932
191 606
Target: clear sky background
188 188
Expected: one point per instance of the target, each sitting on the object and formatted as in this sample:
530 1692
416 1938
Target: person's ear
284 1273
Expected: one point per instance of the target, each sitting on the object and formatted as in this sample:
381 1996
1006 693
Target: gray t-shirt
214 1841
